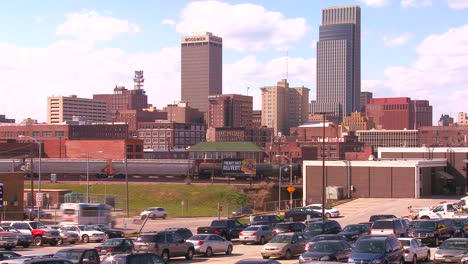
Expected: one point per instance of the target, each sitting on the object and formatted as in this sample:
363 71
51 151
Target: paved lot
353 212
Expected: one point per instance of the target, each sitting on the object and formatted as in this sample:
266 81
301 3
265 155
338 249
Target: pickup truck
229 228
8 240
444 210
85 233
41 234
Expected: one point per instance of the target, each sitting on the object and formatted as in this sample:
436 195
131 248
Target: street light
323 165
87 175
39 174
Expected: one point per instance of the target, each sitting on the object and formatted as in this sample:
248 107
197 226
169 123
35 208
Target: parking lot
352 212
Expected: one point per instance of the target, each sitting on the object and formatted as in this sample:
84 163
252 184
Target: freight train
102 168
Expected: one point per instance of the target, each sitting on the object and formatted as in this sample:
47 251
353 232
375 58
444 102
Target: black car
185 233
355 231
110 232
432 231
319 238
287 227
24 240
377 249
327 250
302 214
8 254
115 245
269 220
79 255
461 227
323 227
374 218
140 258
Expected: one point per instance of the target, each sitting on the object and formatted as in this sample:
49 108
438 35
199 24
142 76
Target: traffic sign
39 197
291 189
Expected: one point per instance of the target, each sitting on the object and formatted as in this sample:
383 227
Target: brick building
388 138
463 119
182 112
123 99
230 110
61 109
259 136
443 136
399 113
133 117
256 118
357 121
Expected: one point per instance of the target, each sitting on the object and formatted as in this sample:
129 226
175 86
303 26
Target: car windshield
324 237
379 217
198 237
314 227
251 228
37 225
73 256
454 244
382 225
370 246
112 242
352 228
405 242
282 227
151 238
88 228
281 239
323 247
423 224
114 260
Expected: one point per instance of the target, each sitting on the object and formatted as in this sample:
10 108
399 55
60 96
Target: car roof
76 249
406 238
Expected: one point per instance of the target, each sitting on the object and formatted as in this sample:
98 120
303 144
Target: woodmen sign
239 166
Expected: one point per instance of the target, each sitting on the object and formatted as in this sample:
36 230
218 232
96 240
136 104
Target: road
352 212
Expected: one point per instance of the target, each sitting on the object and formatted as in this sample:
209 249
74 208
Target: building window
155 133
59 133
142 134
162 134
155 140
35 133
47 133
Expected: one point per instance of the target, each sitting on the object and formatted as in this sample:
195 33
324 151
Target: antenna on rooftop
287 64
138 80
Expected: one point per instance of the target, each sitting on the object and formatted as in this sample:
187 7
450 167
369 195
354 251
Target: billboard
239 166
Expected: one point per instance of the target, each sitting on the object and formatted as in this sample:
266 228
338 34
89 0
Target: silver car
208 244
451 250
256 234
285 245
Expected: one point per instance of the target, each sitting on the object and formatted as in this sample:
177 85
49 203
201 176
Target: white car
329 211
414 250
85 233
153 213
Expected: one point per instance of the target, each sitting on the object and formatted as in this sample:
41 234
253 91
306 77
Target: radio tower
138 80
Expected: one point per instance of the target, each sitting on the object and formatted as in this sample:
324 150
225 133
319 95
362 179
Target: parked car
110 232
8 254
329 211
394 227
29 258
164 244
377 249
256 234
270 220
414 250
41 233
286 227
461 227
209 244
432 231
319 227
257 261
355 231
374 218
24 240
153 213
284 245
319 238
115 245
302 214
32 214
85 233
227 228
242 211
8 240
79 255
66 236
140 258
451 250
47 261
327 250
185 233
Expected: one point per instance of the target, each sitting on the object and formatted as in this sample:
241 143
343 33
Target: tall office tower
365 99
230 110
201 69
61 109
284 107
339 61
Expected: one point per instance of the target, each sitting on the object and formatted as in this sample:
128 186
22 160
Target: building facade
230 110
257 118
259 136
339 61
61 109
357 121
463 119
443 136
182 112
123 99
399 113
201 69
388 138
365 99
284 107
446 120
3 119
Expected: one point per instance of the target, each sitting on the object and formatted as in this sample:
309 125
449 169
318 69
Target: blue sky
410 48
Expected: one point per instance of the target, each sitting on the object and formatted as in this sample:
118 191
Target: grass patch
178 199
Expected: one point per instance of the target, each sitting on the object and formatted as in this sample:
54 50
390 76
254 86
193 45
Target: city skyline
409 48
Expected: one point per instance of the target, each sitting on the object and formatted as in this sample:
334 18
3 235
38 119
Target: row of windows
12 134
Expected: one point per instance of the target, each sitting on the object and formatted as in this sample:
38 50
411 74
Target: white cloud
398 40
416 3
39 19
242 26
375 3
458 4
439 73
91 26
168 22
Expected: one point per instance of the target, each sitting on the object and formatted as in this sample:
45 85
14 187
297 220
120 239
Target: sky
409 48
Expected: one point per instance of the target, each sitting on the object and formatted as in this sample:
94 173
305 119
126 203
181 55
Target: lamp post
323 167
39 173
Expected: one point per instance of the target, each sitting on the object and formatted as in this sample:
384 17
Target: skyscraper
201 69
339 61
